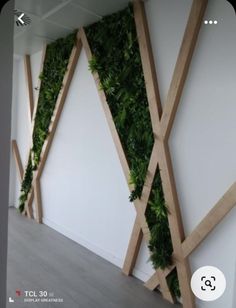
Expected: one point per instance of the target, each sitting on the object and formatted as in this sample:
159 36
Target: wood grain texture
38 201
52 129
210 221
148 65
29 83
38 87
133 248
59 105
140 204
162 128
18 161
106 109
182 65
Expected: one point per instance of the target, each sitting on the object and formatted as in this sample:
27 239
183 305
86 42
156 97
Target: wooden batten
18 160
212 219
29 83
52 129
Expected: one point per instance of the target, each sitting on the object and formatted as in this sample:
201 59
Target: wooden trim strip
39 87
148 64
29 83
140 205
38 201
18 160
182 65
134 243
154 282
211 220
133 248
109 118
54 122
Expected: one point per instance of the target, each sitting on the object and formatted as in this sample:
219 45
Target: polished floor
41 259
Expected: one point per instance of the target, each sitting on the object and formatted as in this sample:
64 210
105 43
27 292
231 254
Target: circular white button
208 283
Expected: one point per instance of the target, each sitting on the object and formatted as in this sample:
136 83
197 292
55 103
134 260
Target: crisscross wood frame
162 122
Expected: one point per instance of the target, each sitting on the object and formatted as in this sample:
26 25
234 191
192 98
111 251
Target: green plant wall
55 64
116 59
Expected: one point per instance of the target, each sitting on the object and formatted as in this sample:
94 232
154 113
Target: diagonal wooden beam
38 87
116 139
140 205
133 248
211 220
55 119
182 65
170 108
38 201
106 109
148 65
204 228
153 282
134 243
29 83
18 160
33 106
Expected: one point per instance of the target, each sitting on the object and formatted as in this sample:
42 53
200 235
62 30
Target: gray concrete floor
40 258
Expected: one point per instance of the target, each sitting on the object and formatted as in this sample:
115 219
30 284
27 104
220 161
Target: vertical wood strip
18 160
133 248
38 203
29 83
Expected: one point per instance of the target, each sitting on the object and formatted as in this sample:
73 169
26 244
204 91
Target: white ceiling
51 19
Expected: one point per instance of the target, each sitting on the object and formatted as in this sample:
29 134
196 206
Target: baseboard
94 248
85 243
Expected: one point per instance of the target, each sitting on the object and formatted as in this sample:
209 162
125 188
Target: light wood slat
59 105
115 136
148 64
29 83
28 204
38 203
137 203
182 65
204 228
175 223
133 248
57 113
38 87
134 244
18 160
109 118
211 220
153 282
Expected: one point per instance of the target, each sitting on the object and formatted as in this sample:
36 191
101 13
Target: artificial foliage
55 65
116 59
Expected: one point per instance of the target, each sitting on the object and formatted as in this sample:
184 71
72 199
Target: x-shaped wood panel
162 123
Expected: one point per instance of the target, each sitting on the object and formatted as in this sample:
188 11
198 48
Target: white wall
91 204
85 196
203 141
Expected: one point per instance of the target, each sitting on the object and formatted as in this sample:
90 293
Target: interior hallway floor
40 258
